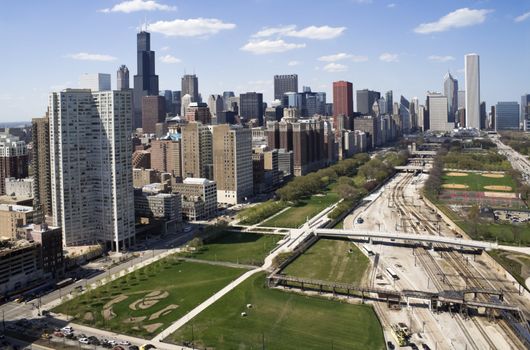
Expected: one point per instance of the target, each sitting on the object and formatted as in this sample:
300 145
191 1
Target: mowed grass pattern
476 182
296 216
188 284
238 247
282 320
330 260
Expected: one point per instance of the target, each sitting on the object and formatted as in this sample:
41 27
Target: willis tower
146 81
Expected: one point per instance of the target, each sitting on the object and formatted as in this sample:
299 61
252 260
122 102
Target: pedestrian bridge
406 237
411 168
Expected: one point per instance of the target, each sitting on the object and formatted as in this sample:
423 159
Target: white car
83 340
112 342
124 342
67 329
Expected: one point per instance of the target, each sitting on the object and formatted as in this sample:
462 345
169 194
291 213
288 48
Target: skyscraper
365 101
122 78
95 82
153 112
451 92
389 97
190 86
216 106
90 162
232 163
461 99
146 81
40 135
472 71
507 116
438 112
285 83
525 107
251 107
13 159
226 99
196 151
342 98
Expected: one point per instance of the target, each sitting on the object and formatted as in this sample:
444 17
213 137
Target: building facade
285 83
472 73
251 106
153 112
122 78
145 81
41 164
507 116
95 82
190 86
13 159
197 156
199 198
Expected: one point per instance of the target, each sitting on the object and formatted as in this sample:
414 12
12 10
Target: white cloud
362 1
389 57
335 67
83 56
463 17
260 47
522 17
343 56
311 32
391 5
190 27
139 5
293 63
164 48
436 58
169 59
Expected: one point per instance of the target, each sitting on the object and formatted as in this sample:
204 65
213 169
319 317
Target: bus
392 274
64 283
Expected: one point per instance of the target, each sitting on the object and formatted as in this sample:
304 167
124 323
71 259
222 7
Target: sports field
297 215
238 247
330 260
148 300
478 182
281 320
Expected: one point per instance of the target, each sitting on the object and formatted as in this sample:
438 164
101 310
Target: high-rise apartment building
198 112
190 86
90 162
153 112
365 101
197 151
251 106
122 78
438 112
285 83
472 72
95 82
166 156
342 98
41 164
451 92
232 163
145 81
13 159
507 116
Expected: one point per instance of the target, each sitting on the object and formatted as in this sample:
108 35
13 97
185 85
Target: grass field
330 260
518 265
297 215
281 320
186 285
476 182
238 247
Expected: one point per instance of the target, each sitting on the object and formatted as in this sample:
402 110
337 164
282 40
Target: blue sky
405 46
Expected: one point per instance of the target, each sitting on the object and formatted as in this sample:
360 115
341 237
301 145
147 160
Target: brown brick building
153 112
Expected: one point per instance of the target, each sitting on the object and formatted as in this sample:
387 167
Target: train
392 274
368 251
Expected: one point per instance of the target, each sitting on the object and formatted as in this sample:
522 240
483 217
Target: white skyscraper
90 163
472 68
438 113
95 82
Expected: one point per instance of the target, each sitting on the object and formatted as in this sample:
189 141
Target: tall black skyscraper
146 81
285 83
251 106
122 78
190 86
365 100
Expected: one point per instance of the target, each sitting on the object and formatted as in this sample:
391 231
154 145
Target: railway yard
400 207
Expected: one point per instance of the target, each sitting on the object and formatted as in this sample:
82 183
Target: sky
402 45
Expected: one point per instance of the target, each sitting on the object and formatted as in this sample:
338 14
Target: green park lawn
297 215
330 260
181 286
476 182
238 247
281 320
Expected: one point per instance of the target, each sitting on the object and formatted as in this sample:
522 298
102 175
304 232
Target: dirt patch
494 176
150 328
163 312
134 319
455 174
498 188
455 186
149 300
107 312
89 316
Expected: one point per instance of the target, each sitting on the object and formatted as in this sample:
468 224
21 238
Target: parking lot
512 216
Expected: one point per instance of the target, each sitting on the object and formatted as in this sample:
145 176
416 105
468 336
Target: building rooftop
14 207
196 181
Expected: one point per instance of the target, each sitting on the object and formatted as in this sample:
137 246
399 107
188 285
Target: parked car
360 220
83 340
124 342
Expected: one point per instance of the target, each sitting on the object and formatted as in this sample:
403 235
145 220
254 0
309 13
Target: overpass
411 168
407 237
424 153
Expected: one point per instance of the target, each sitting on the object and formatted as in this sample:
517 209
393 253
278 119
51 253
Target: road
518 161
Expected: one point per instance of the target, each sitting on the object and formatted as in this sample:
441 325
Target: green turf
238 247
513 263
330 260
188 284
297 215
282 320
476 182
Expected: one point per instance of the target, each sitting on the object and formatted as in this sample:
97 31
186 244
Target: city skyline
251 49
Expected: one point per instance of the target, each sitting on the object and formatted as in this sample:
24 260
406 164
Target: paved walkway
220 263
